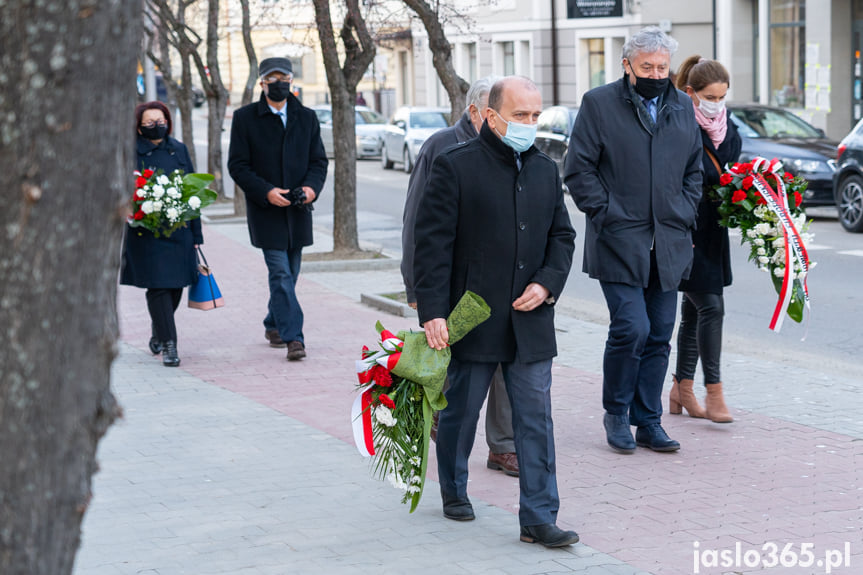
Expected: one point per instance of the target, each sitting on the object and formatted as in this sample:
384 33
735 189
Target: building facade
803 55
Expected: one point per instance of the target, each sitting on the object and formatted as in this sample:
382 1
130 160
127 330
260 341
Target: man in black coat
634 168
276 148
493 221
498 417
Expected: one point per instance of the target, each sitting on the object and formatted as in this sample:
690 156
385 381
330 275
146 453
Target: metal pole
554 80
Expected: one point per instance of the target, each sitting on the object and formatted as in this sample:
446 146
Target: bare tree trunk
359 50
65 181
252 80
217 97
456 87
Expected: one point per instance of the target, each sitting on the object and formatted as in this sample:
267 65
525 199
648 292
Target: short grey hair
479 90
647 41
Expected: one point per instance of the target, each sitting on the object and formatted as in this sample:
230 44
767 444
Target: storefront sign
594 8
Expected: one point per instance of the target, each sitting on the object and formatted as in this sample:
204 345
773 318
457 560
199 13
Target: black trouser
700 335
162 303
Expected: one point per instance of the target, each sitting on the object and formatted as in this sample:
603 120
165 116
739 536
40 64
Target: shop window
787 52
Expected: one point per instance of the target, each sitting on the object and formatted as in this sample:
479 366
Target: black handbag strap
199 254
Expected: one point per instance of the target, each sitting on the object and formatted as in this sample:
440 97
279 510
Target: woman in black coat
702 309
163 265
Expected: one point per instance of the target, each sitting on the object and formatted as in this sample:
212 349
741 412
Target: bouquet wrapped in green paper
401 387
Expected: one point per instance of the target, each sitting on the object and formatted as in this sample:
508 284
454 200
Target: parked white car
406 132
370 128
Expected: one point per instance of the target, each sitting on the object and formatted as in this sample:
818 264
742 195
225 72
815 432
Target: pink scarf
715 127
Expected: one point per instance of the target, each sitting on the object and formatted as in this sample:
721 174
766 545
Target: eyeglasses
154 124
280 78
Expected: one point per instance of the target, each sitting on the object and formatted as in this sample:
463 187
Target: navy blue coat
638 185
485 226
151 262
264 155
711 264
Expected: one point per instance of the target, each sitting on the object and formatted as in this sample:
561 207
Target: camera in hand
297 197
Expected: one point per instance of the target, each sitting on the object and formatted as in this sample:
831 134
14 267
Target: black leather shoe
457 509
549 535
274 338
169 354
617 433
155 345
654 437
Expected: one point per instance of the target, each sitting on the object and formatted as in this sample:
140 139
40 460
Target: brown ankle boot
716 409
681 396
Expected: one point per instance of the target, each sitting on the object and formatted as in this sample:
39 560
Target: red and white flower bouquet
401 386
164 203
764 202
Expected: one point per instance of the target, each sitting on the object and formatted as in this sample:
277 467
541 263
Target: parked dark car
552 132
848 180
804 150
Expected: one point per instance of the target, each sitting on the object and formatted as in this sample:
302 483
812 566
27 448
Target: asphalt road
833 333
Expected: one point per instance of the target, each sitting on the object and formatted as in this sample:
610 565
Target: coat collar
496 145
292 107
464 129
145 146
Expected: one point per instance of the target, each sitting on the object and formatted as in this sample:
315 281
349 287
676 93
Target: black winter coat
711 263
151 262
266 155
462 131
486 227
639 185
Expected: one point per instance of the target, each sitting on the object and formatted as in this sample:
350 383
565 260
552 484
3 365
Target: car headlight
799 166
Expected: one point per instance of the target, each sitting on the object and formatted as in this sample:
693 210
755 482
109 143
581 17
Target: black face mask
278 91
157 132
650 87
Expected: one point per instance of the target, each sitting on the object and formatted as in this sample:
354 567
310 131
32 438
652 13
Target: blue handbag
204 293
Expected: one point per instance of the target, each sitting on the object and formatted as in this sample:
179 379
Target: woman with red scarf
700 332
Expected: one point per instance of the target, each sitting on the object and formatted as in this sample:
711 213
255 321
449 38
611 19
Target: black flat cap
270 65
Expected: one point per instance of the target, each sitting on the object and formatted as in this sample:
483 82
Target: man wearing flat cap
278 159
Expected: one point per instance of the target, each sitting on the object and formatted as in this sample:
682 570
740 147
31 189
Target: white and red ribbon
777 202
361 410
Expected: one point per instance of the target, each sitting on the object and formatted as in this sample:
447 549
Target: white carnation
763 259
141 193
758 242
384 416
761 252
194 202
763 229
173 193
157 206
163 180
147 207
751 233
779 272
173 214
158 191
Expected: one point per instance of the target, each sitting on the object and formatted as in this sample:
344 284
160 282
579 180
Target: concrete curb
388 305
349 265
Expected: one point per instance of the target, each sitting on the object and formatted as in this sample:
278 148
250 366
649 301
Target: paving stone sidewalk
240 462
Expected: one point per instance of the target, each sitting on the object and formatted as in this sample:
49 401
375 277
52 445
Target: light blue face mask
519 137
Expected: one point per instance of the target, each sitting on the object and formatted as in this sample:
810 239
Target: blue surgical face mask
519 137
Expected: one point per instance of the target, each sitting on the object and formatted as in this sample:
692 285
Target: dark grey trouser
498 417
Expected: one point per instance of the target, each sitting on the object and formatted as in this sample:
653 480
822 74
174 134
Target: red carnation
759 199
788 177
739 196
798 199
747 182
725 179
140 182
381 376
139 215
385 399
148 173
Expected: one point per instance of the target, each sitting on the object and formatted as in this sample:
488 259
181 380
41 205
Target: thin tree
342 79
188 42
456 87
65 181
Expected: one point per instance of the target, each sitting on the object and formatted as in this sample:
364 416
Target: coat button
519 188
521 265
521 226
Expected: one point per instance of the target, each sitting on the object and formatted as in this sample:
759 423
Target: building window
596 61
508 49
787 52
472 66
